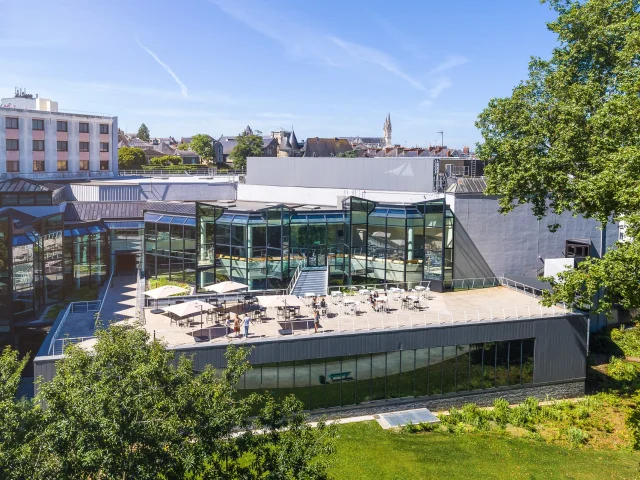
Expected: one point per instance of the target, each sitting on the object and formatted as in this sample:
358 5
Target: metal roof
22 185
468 185
84 211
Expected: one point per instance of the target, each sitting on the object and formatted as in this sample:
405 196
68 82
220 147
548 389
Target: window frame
84 162
80 149
39 163
60 123
102 163
104 129
80 127
65 145
17 142
13 162
17 123
33 146
102 144
35 123
66 166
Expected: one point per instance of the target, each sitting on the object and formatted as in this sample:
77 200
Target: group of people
318 305
237 322
373 300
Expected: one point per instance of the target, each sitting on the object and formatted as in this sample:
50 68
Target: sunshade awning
189 308
225 287
164 291
280 301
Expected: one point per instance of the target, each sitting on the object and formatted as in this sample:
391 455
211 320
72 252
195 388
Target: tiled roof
325 147
84 211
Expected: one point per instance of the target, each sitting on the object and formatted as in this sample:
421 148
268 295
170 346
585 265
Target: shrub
621 370
576 436
501 412
475 417
526 414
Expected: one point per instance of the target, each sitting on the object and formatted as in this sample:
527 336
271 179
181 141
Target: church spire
387 131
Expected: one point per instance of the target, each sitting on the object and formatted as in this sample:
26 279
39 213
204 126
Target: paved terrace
482 305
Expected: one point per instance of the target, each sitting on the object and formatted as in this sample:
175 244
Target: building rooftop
18 184
468 185
84 211
495 304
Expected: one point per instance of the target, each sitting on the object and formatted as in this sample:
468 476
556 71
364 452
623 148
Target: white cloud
183 88
449 63
375 57
435 90
303 43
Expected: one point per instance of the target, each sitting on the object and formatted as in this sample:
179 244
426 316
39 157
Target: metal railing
77 307
473 283
140 286
374 321
193 172
296 275
353 289
521 287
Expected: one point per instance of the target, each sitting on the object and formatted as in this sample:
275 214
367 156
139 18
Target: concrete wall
488 243
157 190
330 197
398 174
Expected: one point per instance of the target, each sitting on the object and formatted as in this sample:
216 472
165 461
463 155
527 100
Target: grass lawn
366 451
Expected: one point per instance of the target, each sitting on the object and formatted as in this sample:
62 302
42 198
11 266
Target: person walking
236 326
316 320
245 323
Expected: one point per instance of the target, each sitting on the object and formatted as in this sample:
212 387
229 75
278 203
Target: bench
339 376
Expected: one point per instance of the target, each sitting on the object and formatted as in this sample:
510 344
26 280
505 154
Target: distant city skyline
326 69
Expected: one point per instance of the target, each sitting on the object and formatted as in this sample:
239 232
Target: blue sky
329 68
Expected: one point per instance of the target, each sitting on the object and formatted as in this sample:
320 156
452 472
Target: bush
576 436
475 417
622 371
525 415
501 412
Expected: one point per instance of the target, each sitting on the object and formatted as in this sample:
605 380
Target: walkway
120 301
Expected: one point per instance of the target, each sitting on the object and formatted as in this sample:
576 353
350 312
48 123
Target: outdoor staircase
311 280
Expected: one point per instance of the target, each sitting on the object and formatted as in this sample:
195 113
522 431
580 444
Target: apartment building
42 143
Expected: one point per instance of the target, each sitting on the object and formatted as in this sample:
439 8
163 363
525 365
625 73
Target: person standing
245 324
236 326
316 320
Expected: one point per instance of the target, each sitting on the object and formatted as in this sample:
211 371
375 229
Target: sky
326 68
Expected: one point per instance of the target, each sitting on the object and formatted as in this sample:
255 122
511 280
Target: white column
25 145
410 243
114 147
3 144
94 146
74 146
50 146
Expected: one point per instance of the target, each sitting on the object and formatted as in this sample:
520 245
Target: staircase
311 280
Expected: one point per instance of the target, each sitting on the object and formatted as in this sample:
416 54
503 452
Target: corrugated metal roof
468 185
84 211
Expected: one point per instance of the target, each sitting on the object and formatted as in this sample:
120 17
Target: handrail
106 292
292 283
140 284
378 286
177 171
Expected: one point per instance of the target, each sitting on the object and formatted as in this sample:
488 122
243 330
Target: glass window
63 146
38 145
285 379
527 360
104 128
83 127
407 373
515 358
12 123
422 372
502 363
393 374
378 374
349 383
302 382
84 164
13 166
449 369
104 146
270 379
489 365
333 387
61 126
435 371
318 382
462 368
475 366
104 165
37 124
84 146
363 379
12 144
62 166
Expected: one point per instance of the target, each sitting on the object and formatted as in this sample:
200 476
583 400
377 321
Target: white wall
325 196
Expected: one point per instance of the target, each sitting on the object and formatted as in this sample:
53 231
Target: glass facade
86 255
364 243
170 246
395 375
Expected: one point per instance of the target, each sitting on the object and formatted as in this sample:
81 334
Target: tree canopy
143 133
202 144
166 161
130 409
568 139
348 154
131 157
183 146
246 146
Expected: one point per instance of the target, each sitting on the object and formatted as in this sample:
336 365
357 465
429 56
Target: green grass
366 451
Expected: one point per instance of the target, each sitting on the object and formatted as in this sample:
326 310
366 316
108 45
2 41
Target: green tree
183 146
568 139
166 161
348 154
202 144
131 158
131 409
246 146
143 133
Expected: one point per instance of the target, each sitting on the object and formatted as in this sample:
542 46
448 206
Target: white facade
85 153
